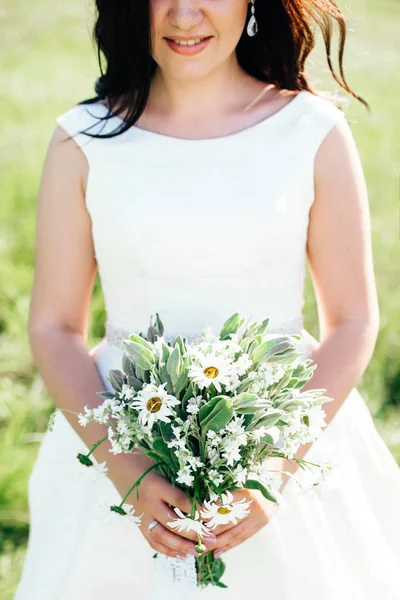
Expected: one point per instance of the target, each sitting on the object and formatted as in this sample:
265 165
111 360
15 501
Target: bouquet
209 413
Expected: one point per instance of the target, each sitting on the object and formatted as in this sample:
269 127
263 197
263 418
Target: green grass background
47 64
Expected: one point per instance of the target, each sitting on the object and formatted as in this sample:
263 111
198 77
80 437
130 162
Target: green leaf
253 484
179 342
139 355
106 395
152 334
207 408
159 324
117 379
231 325
161 449
268 439
285 357
128 365
174 365
167 432
245 399
262 327
244 344
268 420
216 414
189 393
137 339
269 348
218 568
249 404
147 352
252 348
290 403
135 383
181 383
166 351
248 420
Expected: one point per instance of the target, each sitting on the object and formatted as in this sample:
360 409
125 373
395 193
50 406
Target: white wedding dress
196 230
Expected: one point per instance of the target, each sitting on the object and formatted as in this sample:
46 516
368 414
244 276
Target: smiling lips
188 46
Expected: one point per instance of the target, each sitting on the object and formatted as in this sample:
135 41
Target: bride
197 182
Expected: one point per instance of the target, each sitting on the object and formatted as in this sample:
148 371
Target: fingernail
209 540
181 556
193 552
218 553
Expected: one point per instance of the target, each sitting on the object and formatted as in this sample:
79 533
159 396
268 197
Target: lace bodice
198 229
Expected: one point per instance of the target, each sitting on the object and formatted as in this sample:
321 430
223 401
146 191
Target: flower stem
97 444
192 501
139 481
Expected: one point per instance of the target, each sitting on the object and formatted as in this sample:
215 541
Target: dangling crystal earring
252 26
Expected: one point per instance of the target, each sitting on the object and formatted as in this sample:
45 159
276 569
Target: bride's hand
156 496
261 511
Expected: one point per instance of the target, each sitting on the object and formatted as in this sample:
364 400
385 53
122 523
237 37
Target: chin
189 72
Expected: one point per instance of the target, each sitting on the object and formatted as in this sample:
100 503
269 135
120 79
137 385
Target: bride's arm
65 271
340 257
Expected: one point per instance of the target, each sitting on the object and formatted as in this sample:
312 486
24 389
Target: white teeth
188 42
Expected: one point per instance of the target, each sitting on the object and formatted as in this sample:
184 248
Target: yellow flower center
154 404
211 372
224 510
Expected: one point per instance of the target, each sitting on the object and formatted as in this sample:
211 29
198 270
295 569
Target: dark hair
277 54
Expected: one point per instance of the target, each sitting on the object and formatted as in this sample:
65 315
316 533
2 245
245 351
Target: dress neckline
272 119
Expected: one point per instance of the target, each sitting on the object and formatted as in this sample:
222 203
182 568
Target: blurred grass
47 65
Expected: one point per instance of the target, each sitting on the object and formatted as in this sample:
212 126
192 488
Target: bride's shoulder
80 117
324 109
322 112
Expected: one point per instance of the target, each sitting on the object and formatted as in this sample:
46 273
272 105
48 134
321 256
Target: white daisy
192 409
273 432
127 392
238 431
212 438
102 413
181 443
110 514
231 452
194 462
226 512
271 372
84 419
154 404
210 368
215 477
184 476
242 364
240 475
185 523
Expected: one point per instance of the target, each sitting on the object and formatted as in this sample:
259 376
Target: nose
185 14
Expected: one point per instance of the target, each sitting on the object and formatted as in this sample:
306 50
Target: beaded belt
115 334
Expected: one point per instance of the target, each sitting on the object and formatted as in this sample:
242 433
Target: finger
176 497
158 547
239 539
223 528
167 517
171 540
164 514
233 536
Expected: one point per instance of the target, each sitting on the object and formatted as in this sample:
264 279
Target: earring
252 26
